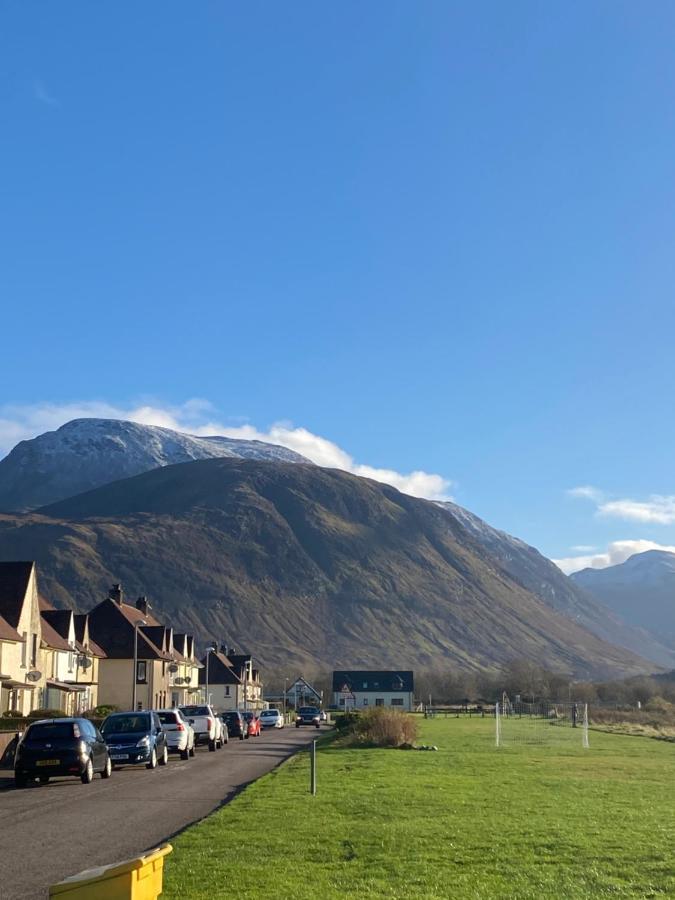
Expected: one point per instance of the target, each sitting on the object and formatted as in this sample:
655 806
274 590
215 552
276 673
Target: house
362 689
233 682
165 675
21 680
70 660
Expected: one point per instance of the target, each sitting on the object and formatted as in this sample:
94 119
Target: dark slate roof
52 638
14 578
7 633
59 619
220 672
384 681
82 632
112 627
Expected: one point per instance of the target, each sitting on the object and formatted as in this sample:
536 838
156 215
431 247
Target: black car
236 724
52 747
136 738
308 715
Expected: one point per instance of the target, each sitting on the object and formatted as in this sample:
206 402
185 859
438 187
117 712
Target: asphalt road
55 830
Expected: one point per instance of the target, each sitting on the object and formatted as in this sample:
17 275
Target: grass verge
468 821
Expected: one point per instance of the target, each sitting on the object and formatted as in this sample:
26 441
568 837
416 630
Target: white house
363 689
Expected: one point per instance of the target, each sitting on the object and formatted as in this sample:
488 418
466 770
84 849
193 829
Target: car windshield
126 724
50 731
270 713
231 717
248 716
195 710
308 711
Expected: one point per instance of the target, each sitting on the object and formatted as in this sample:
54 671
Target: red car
252 723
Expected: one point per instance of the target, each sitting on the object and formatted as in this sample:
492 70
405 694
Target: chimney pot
116 593
142 605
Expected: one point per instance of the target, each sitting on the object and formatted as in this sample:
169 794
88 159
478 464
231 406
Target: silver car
180 737
271 718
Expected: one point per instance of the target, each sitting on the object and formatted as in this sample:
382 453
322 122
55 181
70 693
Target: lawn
468 821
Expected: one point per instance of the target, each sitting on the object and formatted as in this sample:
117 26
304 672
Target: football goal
541 722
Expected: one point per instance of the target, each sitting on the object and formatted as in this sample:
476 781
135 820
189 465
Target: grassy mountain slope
298 564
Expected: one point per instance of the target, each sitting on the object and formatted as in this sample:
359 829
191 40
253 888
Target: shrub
46 714
100 712
659 705
386 727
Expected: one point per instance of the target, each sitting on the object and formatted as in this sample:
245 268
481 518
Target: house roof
14 579
220 671
52 638
59 619
7 633
111 625
81 632
385 681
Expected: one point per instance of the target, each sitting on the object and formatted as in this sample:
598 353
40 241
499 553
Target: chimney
142 605
223 649
116 593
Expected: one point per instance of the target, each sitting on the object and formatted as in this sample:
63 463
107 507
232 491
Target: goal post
544 722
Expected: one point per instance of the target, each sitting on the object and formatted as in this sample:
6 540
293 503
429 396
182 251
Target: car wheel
297 726
185 754
153 760
241 737
19 780
212 746
107 768
192 750
44 779
164 759
88 775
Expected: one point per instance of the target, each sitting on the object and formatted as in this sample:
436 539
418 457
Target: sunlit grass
468 821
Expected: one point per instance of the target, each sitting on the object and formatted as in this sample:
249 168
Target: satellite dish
83 662
186 680
178 681
173 668
34 675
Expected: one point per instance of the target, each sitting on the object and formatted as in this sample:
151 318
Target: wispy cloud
197 416
41 93
616 553
583 548
657 509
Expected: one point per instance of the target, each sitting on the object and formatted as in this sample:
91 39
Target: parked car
57 747
205 723
308 715
235 724
180 736
135 738
252 724
271 718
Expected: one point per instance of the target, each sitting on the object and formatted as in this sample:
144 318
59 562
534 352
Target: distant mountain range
87 453
641 590
300 562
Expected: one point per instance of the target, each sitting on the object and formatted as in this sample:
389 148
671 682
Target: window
342 701
71 662
365 685
227 690
379 701
365 701
33 650
142 671
24 650
397 701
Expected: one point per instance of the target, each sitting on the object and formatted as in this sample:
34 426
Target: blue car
135 738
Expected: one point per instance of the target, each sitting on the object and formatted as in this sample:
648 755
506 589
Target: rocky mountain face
571 596
641 590
87 453
302 564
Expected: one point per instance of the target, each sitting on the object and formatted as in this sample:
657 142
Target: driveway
55 830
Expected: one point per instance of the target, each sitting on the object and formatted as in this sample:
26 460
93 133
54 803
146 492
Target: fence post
312 775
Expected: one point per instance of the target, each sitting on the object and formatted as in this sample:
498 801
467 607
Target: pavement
52 831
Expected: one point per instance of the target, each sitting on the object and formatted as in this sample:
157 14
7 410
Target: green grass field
468 821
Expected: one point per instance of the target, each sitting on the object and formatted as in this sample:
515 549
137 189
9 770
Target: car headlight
144 742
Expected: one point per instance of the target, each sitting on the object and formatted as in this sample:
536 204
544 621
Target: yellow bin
133 879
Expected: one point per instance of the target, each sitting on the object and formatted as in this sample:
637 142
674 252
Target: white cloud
583 548
657 509
196 417
586 492
616 553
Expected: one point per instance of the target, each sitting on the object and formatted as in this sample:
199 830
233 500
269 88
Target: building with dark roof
365 688
22 680
233 681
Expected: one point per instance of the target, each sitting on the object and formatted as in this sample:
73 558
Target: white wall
367 699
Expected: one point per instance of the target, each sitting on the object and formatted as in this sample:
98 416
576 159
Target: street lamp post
135 674
285 689
209 650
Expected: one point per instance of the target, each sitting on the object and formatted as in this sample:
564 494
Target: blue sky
437 236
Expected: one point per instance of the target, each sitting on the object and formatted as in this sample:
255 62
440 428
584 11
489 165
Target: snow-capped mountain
641 589
87 453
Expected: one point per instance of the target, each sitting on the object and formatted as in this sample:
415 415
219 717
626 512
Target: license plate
49 762
119 756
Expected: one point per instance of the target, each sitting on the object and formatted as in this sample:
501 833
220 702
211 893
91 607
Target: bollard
312 773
